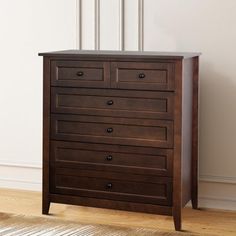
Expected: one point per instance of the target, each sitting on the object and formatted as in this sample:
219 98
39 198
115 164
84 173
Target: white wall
27 27
206 26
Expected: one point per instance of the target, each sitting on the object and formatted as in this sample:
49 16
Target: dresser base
110 204
104 203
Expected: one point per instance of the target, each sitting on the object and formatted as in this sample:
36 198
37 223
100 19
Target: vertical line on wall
122 25
141 25
79 24
97 25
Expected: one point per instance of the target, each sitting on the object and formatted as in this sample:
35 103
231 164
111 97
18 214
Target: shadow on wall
217 120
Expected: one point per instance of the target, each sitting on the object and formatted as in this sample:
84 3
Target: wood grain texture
144 76
80 74
177 182
110 186
136 132
201 222
103 102
118 158
126 109
195 147
121 54
46 134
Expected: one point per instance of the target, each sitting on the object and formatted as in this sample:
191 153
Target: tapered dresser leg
46 206
177 220
194 200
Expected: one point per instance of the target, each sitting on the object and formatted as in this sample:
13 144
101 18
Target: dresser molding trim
111 204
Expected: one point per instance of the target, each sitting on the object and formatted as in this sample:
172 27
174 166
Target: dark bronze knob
141 75
80 73
110 102
109 186
109 130
109 158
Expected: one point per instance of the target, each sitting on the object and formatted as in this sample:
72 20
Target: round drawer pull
110 102
80 73
109 130
109 158
141 75
109 186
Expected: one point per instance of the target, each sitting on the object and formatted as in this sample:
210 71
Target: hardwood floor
205 222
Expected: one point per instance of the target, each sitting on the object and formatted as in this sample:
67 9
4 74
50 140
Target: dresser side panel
177 183
187 129
46 133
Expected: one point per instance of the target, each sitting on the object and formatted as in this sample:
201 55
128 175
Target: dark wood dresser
120 130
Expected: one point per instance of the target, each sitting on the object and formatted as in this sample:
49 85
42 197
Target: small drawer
124 131
80 74
124 159
143 76
109 186
103 102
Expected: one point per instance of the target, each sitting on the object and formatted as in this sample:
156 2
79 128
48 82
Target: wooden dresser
120 130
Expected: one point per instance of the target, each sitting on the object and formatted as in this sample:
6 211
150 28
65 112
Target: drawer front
125 159
80 74
154 133
135 104
143 76
108 186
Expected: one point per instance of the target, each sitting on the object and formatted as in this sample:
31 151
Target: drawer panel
102 185
154 133
143 76
117 158
135 104
80 74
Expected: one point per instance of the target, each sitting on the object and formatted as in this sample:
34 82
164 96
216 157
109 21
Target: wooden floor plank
205 222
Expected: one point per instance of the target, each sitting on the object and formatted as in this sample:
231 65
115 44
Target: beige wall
26 28
208 26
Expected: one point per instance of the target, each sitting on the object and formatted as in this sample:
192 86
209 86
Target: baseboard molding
25 176
214 191
36 165
217 193
217 203
217 179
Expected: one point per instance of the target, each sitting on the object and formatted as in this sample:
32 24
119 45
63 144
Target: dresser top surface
119 54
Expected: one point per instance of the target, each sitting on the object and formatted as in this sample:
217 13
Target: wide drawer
143 76
112 186
137 104
138 132
116 158
80 74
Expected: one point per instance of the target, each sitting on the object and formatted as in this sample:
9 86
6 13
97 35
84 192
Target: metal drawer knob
110 102
109 158
80 73
109 186
109 130
141 75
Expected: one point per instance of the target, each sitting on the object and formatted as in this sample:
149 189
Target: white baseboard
217 193
214 191
217 203
25 176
